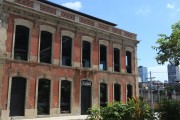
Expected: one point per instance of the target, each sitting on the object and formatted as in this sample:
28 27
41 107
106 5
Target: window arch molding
118 46
24 23
129 49
67 33
87 38
103 42
47 28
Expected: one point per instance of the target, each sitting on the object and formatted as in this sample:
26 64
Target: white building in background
173 73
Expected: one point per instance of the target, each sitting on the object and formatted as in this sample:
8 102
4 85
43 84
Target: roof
77 12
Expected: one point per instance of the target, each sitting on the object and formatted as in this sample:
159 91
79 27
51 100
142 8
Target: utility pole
151 93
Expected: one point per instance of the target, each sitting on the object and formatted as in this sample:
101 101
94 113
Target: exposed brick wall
32 70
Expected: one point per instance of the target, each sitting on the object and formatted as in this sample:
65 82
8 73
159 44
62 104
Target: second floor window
116 60
66 51
21 43
128 62
103 57
46 47
86 54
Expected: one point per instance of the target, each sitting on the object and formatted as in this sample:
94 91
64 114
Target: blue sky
146 18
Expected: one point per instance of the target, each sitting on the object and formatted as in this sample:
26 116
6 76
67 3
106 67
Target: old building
57 61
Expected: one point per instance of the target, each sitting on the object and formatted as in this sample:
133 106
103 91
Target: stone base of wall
123 70
56 62
30 113
54 111
5 115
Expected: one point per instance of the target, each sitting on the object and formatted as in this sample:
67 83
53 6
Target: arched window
46 47
86 54
129 91
21 43
43 105
65 103
66 51
116 60
18 94
117 92
103 57
103 94
128 62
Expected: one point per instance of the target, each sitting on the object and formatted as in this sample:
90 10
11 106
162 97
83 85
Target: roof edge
77 12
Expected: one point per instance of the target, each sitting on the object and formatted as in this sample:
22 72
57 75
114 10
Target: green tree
169 109
169 46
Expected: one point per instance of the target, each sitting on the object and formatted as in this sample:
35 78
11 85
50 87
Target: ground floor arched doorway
86 96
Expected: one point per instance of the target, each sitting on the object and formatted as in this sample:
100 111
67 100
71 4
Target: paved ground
77 117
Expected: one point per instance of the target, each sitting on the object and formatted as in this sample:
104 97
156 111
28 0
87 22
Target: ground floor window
103 94
43 105
117 92
65 96
129 91
18 93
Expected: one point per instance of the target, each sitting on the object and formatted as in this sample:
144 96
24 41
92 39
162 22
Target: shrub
116 111
169 109
141 110
135 110
94 114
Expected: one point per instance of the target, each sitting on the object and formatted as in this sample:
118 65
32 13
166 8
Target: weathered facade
57 61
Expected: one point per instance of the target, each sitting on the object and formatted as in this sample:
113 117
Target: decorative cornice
70 16
67 20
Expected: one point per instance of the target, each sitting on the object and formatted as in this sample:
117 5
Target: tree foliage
135 109
169 109
169 46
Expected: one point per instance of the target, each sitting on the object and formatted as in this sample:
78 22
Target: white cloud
73 5
143 11
174 10
160 72
170 6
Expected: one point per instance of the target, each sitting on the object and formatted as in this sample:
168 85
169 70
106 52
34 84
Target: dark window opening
129 91
21 43
18 93
85 96
43 105
65 96
103 94
103 57
128 62
66 50
45 47
117 92
86 54
116 60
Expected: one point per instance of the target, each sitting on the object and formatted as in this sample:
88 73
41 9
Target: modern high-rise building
173 73
143 73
